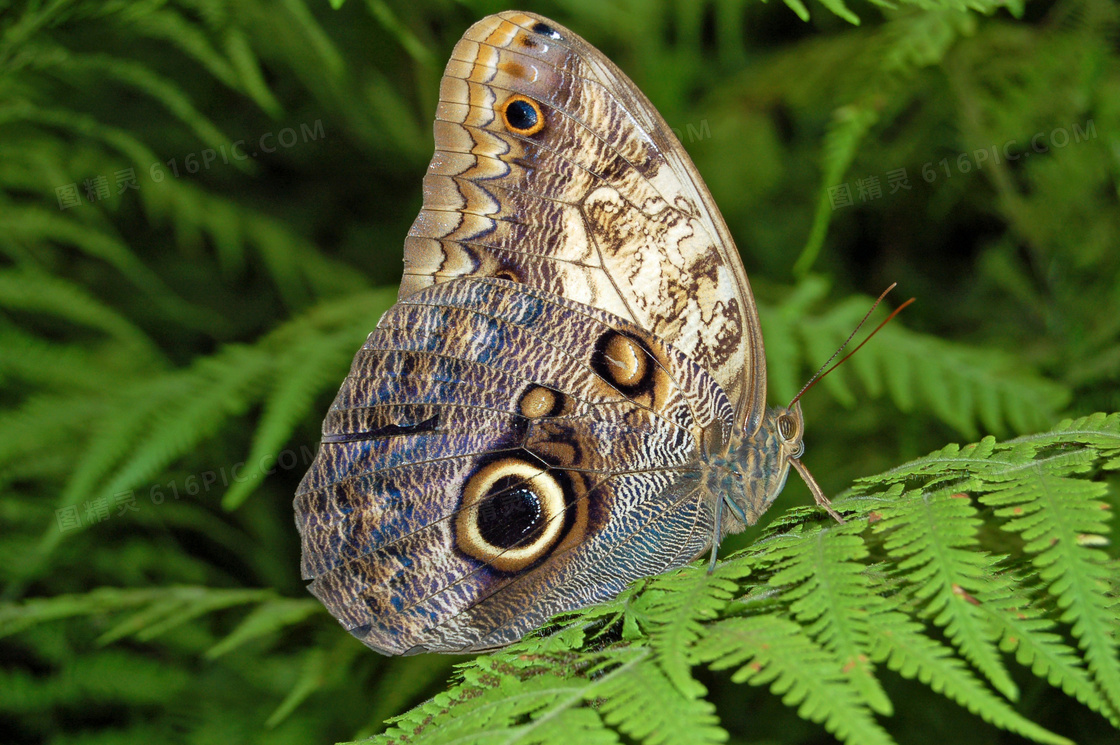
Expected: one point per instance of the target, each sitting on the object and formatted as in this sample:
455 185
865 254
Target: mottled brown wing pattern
499 454
552 169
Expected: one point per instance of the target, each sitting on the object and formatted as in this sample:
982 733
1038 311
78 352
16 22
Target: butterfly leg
715 536
818 493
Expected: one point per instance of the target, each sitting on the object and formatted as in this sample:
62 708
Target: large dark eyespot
522 115
545 30
511 515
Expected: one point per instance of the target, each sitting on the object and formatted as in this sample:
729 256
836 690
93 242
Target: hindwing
499 454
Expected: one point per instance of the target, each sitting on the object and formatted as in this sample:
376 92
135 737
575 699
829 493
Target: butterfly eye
522 115
786 427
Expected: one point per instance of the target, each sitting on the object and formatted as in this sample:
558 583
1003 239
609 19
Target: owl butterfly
570 391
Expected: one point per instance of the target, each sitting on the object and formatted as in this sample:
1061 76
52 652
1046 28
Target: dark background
174 321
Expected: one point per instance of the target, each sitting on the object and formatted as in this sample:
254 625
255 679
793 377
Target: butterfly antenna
822 372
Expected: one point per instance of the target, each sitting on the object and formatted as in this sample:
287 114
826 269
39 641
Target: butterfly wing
498 455
552 169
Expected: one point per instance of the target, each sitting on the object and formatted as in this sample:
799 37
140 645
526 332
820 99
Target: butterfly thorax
751 474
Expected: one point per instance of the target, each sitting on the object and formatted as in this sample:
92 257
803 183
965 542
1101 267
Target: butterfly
569 394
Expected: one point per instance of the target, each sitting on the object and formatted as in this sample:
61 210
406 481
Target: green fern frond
902 645
850 124
176 606
309 353
645 705
100 678
495 705
774 651
40 363
268 617
1026 631
959 384
80 68
931 538
37 292
799 8
142 429
673 608
239 69
157 609
826 587
35 225
152 426
502 700
1053 512
30 435
962 384
1038 483
304 369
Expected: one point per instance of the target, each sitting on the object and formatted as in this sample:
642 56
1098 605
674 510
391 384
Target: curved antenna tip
819 374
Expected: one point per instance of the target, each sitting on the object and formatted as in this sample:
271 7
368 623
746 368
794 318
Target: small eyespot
522 115
512 69
545 30
539 402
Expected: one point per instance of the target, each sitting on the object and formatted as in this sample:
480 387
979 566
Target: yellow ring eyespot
622 361
522 115
512 513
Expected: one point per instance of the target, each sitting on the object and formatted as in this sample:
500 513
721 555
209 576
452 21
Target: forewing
551 168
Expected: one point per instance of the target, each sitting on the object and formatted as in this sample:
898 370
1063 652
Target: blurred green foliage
202 207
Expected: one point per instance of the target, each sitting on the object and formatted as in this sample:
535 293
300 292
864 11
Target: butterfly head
752 475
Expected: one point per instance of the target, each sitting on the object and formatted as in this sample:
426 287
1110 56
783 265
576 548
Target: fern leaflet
932 538
826 588
773 650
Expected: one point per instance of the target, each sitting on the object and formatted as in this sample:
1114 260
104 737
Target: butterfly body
569 394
